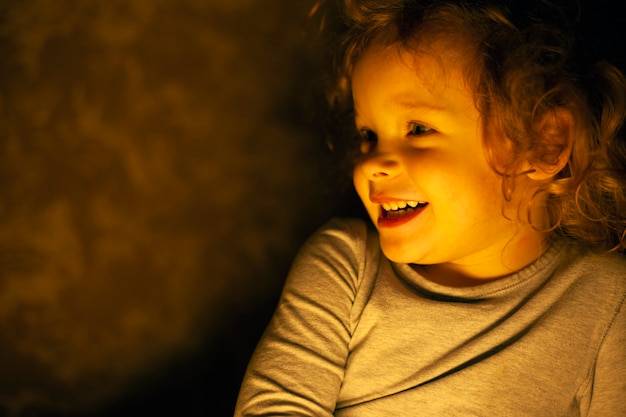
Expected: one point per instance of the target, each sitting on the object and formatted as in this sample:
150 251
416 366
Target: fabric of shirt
355 334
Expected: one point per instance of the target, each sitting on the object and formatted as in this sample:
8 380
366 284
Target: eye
368 140
416 129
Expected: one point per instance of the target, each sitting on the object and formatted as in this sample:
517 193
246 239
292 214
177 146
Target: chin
398 255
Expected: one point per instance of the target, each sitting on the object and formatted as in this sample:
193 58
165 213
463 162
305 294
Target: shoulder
600 277
340 248
346 235
344 228
608 269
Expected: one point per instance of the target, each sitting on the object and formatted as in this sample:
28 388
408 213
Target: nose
378 165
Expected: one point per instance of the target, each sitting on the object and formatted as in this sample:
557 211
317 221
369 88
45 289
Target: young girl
492 166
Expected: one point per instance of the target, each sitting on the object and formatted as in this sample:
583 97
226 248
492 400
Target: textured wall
158 170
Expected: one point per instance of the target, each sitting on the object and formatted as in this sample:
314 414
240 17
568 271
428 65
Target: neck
524 249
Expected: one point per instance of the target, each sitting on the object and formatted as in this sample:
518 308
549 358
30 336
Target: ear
554 139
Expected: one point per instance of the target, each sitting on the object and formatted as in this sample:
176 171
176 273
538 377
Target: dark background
161 162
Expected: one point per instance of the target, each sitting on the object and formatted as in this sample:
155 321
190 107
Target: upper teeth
396 205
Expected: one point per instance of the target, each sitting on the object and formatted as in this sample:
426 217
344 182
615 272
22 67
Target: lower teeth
400 212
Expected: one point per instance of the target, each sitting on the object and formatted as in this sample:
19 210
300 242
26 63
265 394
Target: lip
384 221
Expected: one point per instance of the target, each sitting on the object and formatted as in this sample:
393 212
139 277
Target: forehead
431 76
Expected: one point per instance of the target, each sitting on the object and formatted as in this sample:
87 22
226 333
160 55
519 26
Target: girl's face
423 176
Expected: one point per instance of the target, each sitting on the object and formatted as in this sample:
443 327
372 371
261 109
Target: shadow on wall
158 172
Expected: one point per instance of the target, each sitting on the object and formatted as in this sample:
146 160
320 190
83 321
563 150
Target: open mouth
401 208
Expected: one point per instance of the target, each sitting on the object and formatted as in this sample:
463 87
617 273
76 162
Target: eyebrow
405 105
419 105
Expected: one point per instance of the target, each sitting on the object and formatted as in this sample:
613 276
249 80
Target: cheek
361 185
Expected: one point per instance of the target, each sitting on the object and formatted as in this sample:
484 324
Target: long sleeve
298 366
608 384
356 335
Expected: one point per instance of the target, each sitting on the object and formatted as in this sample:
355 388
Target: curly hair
523 62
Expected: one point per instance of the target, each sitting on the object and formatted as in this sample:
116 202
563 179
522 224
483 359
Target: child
492 166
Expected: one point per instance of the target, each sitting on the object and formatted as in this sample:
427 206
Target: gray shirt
357 335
